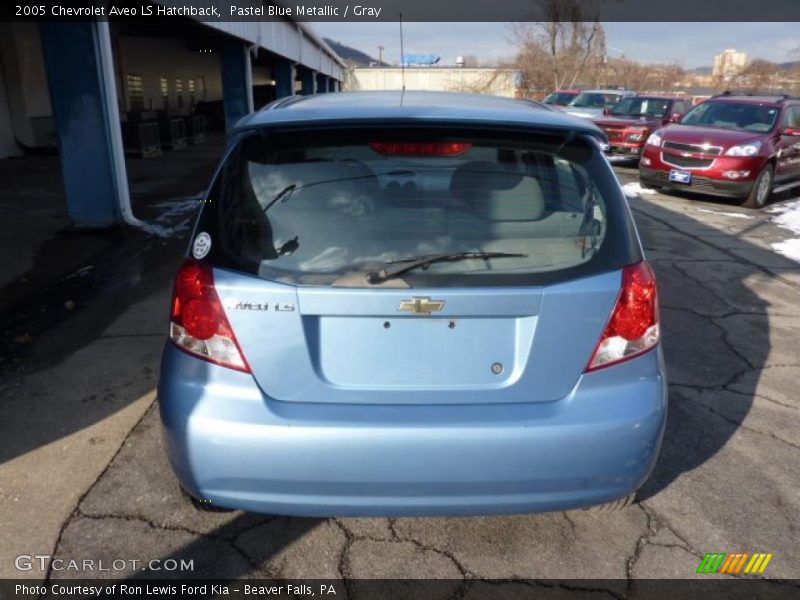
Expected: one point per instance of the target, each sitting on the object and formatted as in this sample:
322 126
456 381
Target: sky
689 44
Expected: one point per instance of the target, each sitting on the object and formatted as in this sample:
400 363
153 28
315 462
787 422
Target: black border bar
412 10
709 587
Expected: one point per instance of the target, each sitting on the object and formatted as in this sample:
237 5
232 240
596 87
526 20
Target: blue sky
690 44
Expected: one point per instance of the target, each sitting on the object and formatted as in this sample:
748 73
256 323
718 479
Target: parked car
413 304
594 103
737 146
561 97
630 123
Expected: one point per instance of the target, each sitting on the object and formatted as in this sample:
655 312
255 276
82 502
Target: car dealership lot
726 480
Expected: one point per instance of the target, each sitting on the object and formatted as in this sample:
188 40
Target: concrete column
309 81
322 83
8 143
284 70
80 76
237 82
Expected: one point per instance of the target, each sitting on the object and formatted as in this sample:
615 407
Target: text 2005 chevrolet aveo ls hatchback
413 304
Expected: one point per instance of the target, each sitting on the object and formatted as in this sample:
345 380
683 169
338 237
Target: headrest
498 194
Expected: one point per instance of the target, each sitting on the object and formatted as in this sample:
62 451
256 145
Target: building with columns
97 89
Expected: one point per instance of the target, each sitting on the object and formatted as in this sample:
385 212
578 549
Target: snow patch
790 249
634 189
175 217
787 216
735 215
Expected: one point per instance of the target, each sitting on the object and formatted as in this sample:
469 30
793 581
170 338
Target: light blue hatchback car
413 304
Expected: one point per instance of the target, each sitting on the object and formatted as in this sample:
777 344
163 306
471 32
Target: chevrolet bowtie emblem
421 306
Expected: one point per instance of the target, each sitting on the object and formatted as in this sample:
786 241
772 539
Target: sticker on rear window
201 245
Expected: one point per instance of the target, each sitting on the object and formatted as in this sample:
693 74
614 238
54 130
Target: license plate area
677 176
420 353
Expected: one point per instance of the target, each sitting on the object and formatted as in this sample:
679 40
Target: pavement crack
740 424
392 528
148 522
553 585
100 475
343 565
754 395
641 543
733 256
569 520
702 284
465 573
234 543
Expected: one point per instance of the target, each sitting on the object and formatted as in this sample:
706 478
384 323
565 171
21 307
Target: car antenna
402 63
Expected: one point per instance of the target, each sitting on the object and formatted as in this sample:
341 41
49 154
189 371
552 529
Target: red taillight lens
421 148
633 326
198 323
200 318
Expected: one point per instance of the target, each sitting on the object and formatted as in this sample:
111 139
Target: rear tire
204 505
613 506
762 189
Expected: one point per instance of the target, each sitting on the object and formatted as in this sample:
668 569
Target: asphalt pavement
98 485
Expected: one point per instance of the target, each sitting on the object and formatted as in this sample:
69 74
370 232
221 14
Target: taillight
421 148
633 326
198 324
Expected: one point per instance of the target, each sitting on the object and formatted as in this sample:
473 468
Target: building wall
728 63
28 98
155 58
8 142
498 82
27 95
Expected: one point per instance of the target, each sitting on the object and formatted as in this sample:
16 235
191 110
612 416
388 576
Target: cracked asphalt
727 479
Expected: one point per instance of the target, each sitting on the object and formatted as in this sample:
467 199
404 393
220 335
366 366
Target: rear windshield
328 208
595 100
641 107
560 98
733 115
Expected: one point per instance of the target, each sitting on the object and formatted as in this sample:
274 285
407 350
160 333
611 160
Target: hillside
352 56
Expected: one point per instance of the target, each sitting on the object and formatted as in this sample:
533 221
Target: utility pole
380 55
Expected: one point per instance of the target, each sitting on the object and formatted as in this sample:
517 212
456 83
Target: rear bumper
230 444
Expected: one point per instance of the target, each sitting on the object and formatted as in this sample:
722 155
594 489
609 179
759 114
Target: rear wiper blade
284 195
290 189
407 264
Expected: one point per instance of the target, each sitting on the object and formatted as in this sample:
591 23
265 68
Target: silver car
593 103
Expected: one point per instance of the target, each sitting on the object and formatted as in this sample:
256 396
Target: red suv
630 123
737 146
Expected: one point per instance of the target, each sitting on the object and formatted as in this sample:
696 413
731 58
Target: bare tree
570 38
794 79
758 75
626 73
532 60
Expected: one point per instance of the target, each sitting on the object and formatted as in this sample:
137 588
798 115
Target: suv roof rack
780 97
